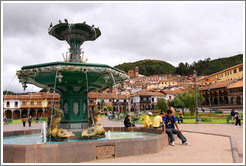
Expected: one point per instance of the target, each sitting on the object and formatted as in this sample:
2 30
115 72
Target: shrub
206 119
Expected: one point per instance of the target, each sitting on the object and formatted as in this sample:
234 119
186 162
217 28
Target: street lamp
209 100
118 112
219 99
197 117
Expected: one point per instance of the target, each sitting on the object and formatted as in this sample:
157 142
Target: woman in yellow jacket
24 121
147 121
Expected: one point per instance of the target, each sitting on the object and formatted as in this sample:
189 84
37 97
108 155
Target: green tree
162 105
187 100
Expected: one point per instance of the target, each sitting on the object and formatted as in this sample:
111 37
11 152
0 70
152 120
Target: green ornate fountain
73 78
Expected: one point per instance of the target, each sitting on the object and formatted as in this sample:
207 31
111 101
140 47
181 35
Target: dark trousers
24 124
30 124
238 121
180 120
171 131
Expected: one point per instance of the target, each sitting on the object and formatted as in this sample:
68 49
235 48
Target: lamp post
209 100
219 99
118 112
197 117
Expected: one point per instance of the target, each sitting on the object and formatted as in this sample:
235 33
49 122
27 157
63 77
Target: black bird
60 21
50 26
66 21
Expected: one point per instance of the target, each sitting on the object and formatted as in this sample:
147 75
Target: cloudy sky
174 32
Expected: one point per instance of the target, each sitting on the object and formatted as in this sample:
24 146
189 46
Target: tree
187 100
162 105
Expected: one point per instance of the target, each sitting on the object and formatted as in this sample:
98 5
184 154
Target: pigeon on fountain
50 26
84 22
66 20
60 21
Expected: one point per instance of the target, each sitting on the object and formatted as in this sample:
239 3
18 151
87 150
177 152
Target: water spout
43 133
109 137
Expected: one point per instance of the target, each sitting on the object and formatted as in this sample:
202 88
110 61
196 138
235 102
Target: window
23 102
8 104
152 99
230 72
40 102
240 69
32 102
235 70
125 101
16 104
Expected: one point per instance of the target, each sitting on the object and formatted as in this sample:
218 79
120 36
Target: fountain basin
82 151
73 81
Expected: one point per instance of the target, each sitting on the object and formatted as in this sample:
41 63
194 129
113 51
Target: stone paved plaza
209 144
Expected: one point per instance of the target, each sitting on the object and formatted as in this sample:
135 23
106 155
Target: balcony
145 101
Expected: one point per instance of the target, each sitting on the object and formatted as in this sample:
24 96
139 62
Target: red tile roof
237 84
148 93
217 85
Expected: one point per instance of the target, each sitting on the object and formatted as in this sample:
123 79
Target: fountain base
74 127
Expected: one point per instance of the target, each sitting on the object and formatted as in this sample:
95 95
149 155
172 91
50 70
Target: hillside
203 67
148 67
208 66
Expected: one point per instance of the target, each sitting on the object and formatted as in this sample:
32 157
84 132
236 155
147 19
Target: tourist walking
158 121
37 119
169 121
232 115
128 123
30 121
24 121
237 119
147 121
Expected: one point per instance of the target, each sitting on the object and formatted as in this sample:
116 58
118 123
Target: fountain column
75 107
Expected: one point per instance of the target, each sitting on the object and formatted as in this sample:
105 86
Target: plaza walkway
209 144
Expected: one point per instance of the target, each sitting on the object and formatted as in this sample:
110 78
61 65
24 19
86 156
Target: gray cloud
173 32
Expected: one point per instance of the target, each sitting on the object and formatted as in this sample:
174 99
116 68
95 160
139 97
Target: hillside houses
140 93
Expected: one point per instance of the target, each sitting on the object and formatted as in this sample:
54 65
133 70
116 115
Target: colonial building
223 94
232 73
99 101
145 100
32 104
132 73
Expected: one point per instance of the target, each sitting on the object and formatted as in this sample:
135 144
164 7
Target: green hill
208 66
148 67
203 67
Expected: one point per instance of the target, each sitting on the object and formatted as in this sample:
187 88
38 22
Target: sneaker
173 143
186 143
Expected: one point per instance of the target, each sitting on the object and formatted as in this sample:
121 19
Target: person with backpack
169 121
24 121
